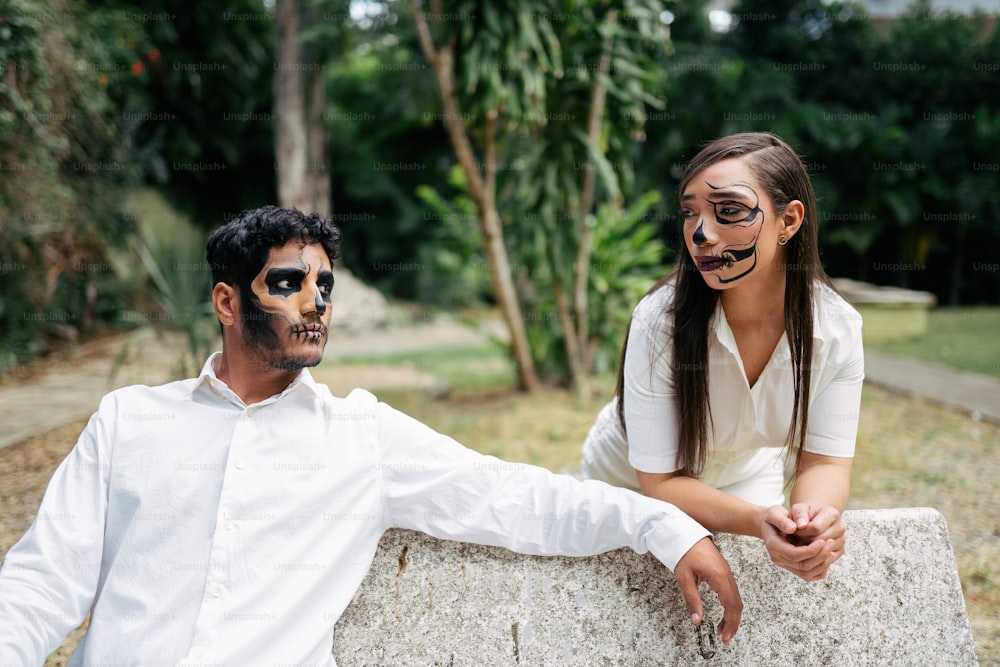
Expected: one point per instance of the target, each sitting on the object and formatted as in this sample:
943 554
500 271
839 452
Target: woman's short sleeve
650 411
834 412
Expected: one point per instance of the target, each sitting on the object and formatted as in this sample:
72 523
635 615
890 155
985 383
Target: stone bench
888 313
893 599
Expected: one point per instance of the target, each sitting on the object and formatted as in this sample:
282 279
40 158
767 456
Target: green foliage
171 253
64 156
202 106
627 259
897 122
451 268
385 141
526 76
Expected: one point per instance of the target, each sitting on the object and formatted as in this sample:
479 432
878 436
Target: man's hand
806 540
703 562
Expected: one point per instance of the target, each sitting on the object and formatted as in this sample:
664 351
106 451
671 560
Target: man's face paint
722 221
287 310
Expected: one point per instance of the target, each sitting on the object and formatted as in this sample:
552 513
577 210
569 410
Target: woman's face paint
723 220
288 309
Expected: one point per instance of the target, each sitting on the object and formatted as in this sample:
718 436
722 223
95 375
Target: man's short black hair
238 250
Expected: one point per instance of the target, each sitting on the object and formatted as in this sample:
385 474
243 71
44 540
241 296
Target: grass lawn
965 338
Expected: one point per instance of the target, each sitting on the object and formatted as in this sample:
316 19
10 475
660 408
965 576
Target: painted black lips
709 263
310 331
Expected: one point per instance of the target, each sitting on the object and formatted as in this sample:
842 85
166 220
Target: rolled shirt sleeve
435 485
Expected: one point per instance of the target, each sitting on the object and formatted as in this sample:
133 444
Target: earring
782 240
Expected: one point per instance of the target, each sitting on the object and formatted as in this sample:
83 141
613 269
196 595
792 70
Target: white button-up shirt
199 530
746 443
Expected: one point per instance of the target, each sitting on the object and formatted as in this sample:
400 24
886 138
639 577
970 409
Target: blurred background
128 130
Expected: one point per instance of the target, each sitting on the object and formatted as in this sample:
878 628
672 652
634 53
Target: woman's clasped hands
805 540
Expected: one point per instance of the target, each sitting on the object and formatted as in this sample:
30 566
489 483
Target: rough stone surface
888 313
893 599
357 306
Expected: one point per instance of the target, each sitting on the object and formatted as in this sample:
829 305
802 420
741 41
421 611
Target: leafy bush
450 268
168 252
64 154
895 121
626 260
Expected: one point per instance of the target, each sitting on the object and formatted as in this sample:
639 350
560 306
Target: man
228 519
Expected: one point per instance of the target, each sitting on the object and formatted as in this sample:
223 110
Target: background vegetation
897 119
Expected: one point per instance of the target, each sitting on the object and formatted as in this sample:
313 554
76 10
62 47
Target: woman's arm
720 512
822 487
822 481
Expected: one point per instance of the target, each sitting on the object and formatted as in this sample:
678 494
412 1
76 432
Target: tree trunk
955 284
482 188
299 99
577 342
318 175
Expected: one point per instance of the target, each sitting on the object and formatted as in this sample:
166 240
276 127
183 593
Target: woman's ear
225 300
790 221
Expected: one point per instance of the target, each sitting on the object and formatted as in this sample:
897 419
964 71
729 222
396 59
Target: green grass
963 338
466 368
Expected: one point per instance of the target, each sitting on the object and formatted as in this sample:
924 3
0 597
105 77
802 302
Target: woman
741 365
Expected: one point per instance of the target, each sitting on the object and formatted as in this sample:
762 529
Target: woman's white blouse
746 440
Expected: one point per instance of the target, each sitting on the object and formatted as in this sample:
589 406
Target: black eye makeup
283 281
325 284
738 205
731 212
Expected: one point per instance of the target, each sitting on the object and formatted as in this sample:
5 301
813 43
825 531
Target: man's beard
259 335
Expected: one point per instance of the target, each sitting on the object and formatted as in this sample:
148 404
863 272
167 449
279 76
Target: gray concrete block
893 599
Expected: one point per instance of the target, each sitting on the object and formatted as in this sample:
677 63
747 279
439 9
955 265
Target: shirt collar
724 334
207 378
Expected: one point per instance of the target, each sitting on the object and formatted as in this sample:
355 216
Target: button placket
217 581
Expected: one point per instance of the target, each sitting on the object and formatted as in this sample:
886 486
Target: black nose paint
698 238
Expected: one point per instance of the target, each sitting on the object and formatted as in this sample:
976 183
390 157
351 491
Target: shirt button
216 592
250 412
239 465
229 524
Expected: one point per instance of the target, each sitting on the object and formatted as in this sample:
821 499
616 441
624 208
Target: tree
547 97
481 177
299 103
65 160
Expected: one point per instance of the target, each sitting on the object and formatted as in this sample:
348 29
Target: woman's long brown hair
780 171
